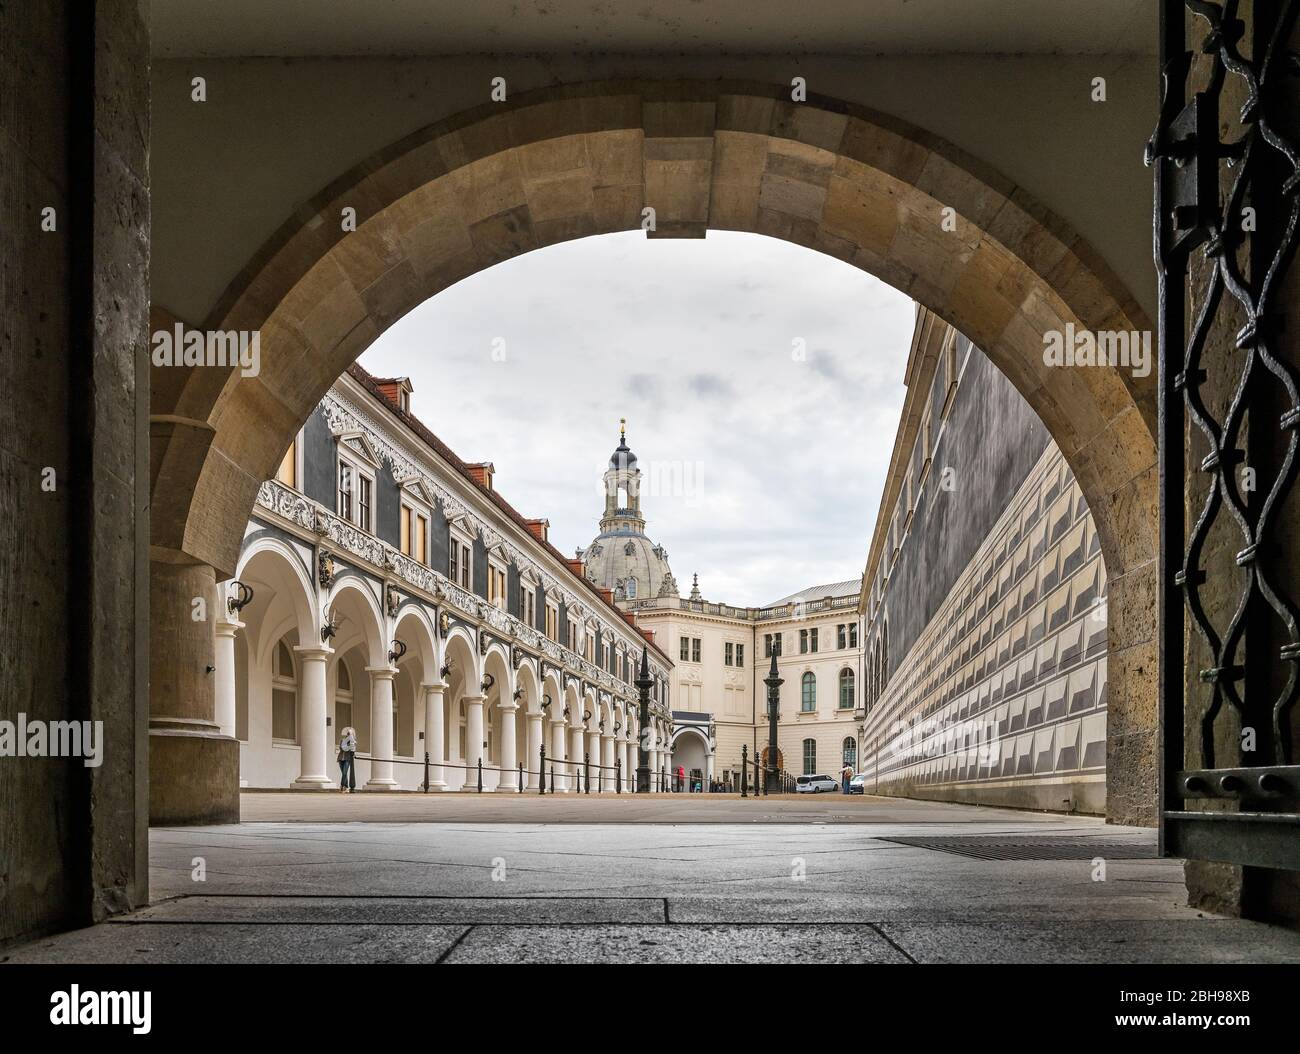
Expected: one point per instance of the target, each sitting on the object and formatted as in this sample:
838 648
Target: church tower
622 557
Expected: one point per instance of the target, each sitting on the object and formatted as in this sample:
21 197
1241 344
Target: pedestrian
845 775
681 778
347 760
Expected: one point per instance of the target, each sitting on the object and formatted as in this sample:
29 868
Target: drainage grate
1032 848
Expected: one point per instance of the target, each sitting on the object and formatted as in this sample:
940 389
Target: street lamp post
773 681
644 683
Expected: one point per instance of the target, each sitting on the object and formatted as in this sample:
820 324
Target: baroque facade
984 600
384 584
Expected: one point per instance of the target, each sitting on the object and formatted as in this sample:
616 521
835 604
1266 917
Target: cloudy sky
761 383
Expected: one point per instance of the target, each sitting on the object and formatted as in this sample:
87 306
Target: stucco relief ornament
516 657
325 569
392 600
444 624
482 643
320 523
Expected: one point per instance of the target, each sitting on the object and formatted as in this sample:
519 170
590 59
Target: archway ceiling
183 28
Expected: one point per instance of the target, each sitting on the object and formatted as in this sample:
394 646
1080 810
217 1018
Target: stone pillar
534 756
381 728
654 758
473 740
593 753
576 750
435 733
313 736
509 777
193 768
558 754
224 687
607 759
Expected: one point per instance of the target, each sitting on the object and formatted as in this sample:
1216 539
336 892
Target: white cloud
691 341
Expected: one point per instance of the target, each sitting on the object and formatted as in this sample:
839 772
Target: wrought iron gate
1227 207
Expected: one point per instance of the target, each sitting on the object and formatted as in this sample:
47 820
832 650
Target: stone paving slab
150 943
822 945
401 910
1207 940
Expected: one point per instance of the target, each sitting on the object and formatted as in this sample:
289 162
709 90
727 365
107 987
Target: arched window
809 700
846 689
631 588
810 757
850 752
284 695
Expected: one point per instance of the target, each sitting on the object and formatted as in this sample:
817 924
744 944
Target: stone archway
562 163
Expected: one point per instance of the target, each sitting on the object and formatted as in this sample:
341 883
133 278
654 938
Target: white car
815 784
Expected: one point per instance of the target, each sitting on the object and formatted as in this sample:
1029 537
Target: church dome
630 564
621 557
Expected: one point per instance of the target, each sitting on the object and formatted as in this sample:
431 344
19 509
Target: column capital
382 673
227 627
314 651
436 687
473 698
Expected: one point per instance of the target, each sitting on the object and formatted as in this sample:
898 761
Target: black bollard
480 775
541 773
744 770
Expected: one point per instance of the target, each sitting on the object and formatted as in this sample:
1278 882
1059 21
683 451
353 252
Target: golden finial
622 428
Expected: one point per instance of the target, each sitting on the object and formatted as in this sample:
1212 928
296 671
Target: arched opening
459 196
692 762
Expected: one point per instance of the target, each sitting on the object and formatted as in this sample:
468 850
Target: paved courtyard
464 878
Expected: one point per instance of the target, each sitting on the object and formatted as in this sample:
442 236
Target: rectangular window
453 561
767 645
552 622
729 654
853 634
841 636
345 491
684 649
496 585
812 640
740 655
810 757
695 650
528 605
404 542
422 539
363 502
466 568
803 642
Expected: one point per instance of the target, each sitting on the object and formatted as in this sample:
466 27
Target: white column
533 756
593 754
628 763
312 733
381 727
435 733
654 757
473 740
558 753
223 676
607 759
576 750
708 773
509 780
